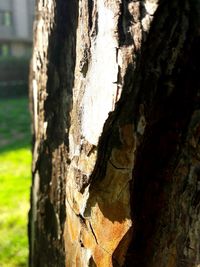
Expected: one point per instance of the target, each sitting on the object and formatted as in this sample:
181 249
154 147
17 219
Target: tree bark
115 96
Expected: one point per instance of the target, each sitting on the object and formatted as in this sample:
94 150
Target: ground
15 173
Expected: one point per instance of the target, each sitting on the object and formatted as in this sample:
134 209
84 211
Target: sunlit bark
116 166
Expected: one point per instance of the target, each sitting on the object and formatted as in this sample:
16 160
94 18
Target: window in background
4 50
5 18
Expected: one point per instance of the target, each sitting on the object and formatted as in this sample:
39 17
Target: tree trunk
116 120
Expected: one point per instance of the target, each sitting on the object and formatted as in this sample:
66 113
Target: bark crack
72 207
122 190
118 168
93 233
95 237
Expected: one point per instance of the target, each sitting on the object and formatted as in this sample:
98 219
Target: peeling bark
115 89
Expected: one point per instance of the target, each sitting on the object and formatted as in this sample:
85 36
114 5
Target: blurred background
16 20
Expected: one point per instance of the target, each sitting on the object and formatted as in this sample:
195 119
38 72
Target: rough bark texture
116 117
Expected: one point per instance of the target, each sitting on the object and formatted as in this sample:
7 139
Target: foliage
15 158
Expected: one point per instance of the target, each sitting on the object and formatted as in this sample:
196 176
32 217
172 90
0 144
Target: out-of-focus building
16 20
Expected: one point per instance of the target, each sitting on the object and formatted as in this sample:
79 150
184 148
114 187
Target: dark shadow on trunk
53 152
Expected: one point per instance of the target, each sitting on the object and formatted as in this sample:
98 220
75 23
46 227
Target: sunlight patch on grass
14 205
15 173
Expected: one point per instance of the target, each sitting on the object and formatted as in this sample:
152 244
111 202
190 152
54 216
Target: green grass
15 162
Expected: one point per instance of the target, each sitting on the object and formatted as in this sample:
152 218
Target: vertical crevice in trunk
169 91
55 102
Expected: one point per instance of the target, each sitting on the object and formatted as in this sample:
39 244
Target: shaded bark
115 89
